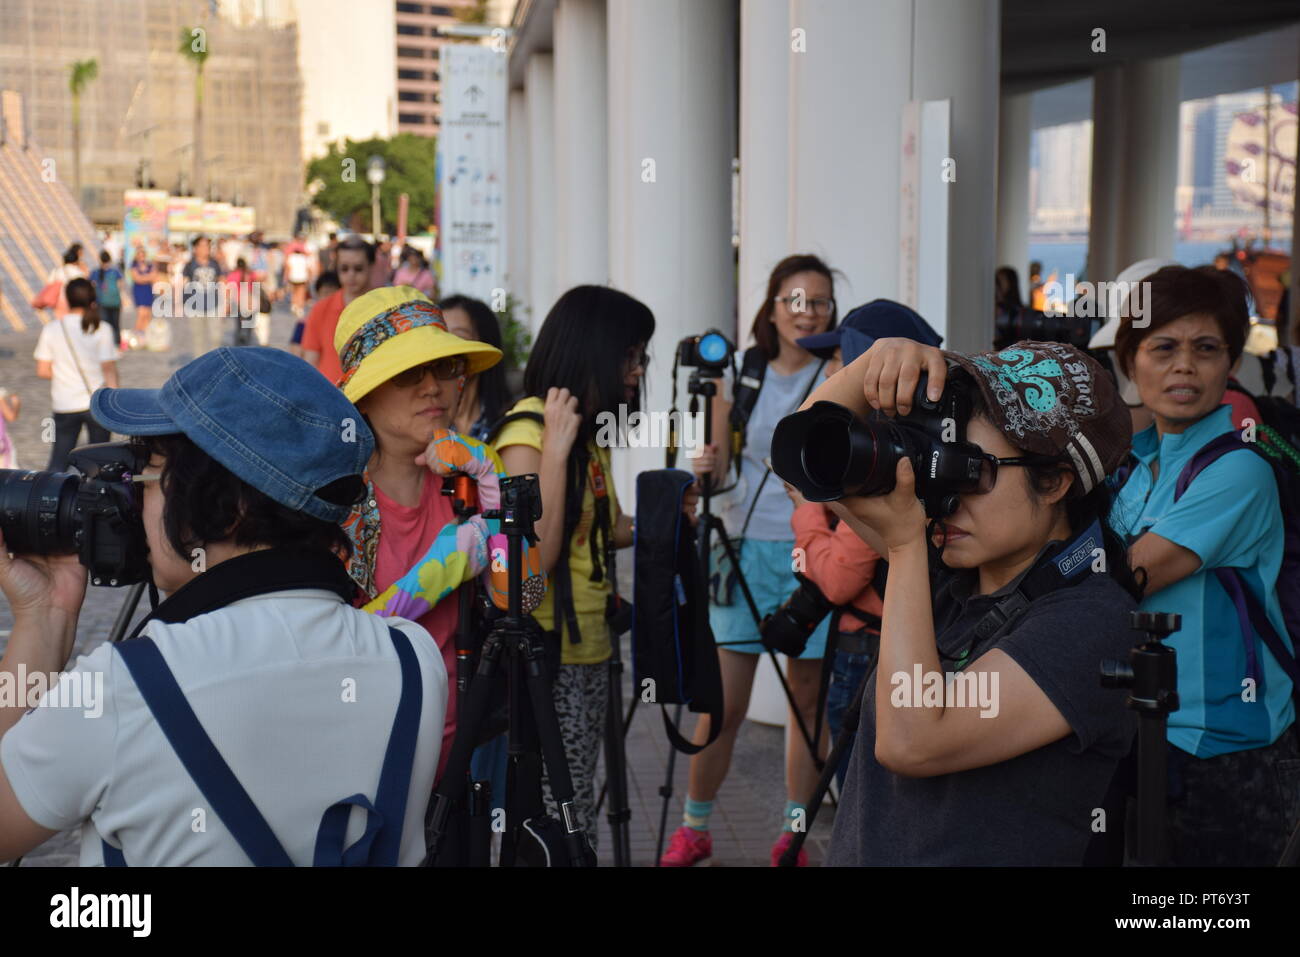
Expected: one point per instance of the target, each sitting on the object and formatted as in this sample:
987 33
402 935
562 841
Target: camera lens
38 511
827 453
713 348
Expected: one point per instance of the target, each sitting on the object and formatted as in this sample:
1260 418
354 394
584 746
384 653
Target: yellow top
588 596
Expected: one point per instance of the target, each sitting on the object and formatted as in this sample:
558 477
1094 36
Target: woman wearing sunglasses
1018 768
405 373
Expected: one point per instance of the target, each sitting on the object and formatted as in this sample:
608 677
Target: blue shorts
766 567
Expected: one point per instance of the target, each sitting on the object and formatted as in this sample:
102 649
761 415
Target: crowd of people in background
917 789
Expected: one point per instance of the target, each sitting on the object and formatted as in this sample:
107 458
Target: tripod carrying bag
674 659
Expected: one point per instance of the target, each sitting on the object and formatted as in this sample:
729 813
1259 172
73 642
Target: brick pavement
748 809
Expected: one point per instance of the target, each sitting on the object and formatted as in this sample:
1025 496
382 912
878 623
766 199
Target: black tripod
705 384
1151 674
518 639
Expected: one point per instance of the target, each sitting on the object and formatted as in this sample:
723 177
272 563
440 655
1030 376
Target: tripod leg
790 857
616 761
666 790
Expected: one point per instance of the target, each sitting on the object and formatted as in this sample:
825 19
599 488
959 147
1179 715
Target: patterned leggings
581 693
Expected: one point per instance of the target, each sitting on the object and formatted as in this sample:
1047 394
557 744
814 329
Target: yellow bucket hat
393 329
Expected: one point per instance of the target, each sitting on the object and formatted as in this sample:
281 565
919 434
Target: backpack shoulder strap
1206 456
522 416
200 757
753 368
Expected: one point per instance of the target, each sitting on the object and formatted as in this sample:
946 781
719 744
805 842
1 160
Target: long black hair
582 346
493 392
81 295
1080 510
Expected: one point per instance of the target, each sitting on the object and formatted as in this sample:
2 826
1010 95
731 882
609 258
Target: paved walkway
747 813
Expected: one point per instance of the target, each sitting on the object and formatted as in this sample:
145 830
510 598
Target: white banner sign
472 164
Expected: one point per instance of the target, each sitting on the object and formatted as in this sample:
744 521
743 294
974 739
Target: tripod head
1151 671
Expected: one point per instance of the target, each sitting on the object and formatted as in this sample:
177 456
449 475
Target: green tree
343 191
476 13
80 74
194 47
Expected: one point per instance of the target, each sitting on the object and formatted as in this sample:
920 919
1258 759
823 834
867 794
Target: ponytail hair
81 295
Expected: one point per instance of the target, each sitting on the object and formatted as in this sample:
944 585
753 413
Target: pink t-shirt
405 534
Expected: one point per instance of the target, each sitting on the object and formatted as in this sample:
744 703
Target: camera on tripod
710 353
827 452
94 513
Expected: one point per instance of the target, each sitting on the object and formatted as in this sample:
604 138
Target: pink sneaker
687 848
781 844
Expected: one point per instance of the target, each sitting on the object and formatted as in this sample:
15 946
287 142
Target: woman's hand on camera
898 519
562 421
894 368
38 584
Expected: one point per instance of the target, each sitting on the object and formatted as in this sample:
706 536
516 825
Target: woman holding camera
1018 766
1202 528
800 301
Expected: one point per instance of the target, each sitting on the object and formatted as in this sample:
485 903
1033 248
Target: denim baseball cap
878 319
267 416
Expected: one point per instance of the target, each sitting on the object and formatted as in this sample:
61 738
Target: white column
765 56
1134 165
1013 187
846 102
672 108
955 56
581 154
539 82
518 246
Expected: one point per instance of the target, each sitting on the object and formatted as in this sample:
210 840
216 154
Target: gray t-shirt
1035 809
780 396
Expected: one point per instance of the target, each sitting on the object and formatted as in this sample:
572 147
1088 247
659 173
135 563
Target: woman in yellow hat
405 373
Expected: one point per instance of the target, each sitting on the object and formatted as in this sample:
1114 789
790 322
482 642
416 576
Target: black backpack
674 658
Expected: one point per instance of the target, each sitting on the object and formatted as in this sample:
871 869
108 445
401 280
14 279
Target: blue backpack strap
1251 614
199 755
112 856
381 843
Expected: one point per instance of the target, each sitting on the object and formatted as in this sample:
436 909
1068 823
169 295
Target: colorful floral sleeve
462 548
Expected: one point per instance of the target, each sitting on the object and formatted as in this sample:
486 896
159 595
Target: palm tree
194 47
80 74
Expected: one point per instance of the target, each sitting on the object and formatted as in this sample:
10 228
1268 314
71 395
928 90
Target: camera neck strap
1057 566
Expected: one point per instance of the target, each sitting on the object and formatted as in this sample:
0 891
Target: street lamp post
375 175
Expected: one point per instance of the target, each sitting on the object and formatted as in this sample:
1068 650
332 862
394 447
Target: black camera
94 514
711 352
788 629
827 452
1011 326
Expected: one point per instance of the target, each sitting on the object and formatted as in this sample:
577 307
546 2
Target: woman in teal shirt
1235 781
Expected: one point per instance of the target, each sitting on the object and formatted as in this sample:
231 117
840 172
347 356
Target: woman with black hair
985 735
78 354
570 380
486 395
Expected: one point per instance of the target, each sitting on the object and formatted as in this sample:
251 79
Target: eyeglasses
444 369
989 464
796 304
634 358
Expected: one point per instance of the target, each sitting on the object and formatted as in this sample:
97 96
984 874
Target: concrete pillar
581 153
765 57
1134 165
539 82
517 237
672 121
843 140
955 56
1013 187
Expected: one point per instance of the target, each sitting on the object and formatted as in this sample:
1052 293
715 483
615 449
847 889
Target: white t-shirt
296 689
68 391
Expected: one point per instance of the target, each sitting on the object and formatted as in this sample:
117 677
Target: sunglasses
444 369
989 464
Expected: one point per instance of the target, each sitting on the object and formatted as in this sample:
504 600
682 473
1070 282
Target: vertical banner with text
472 162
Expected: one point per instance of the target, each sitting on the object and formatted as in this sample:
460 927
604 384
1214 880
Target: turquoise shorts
766 567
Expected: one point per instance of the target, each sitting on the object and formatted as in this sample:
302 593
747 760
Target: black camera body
711 353
94 514
788 629
827 452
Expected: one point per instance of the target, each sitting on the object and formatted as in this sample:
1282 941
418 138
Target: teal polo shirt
1230 517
